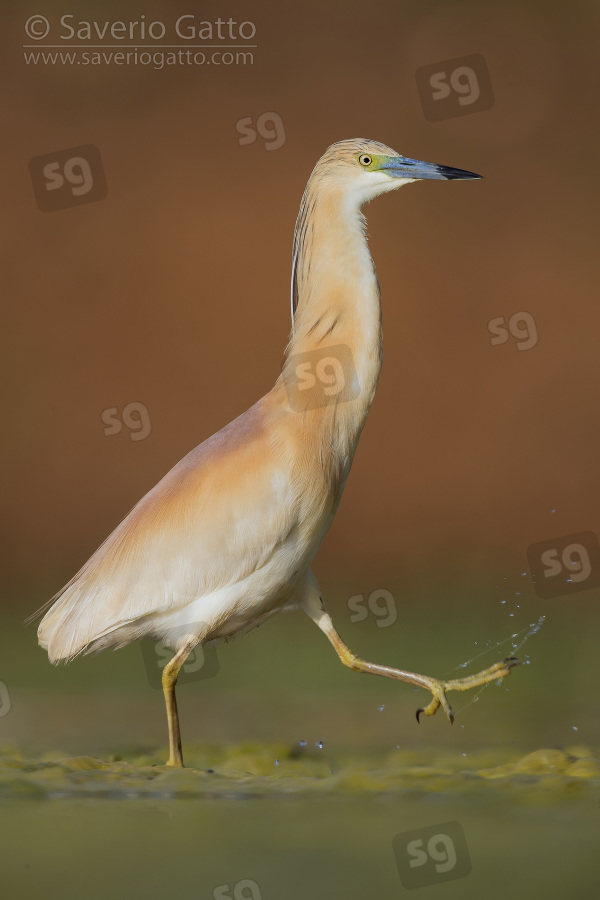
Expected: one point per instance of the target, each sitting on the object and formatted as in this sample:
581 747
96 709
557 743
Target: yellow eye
365 159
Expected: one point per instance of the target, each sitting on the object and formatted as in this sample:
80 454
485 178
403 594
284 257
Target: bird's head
364 169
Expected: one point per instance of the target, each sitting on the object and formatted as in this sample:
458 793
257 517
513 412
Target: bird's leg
438 689
169 680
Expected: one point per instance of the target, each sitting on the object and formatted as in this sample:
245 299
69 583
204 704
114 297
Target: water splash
516 641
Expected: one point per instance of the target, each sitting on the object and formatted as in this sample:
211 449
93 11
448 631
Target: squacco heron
227 537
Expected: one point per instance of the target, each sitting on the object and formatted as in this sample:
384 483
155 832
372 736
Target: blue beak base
402 167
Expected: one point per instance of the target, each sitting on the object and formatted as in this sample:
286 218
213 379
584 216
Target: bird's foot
439 688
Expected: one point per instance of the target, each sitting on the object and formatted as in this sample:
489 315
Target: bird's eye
365 159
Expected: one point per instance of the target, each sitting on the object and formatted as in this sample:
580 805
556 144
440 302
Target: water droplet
554 510
517 593
464 754
302 743
276 762
523 573
511 615
381 708
503 601
575 728
319 744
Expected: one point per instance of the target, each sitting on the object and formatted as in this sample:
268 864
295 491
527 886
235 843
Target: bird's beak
402 167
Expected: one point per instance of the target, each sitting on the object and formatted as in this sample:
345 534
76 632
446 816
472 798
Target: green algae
268 770
298 821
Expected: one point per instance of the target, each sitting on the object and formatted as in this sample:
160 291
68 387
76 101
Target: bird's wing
215 518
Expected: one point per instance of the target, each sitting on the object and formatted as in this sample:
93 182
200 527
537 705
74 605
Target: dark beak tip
460 175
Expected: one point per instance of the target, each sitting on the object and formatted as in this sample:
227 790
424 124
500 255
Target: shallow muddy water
269 821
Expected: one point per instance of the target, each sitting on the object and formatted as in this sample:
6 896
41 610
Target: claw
438 699
422 709
503 668
438 688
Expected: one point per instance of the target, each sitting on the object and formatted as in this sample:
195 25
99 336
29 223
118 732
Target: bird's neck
337 308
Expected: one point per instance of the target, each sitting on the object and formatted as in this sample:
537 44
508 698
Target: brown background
173 291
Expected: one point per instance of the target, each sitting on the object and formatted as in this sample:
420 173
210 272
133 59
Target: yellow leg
437 688
169 680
